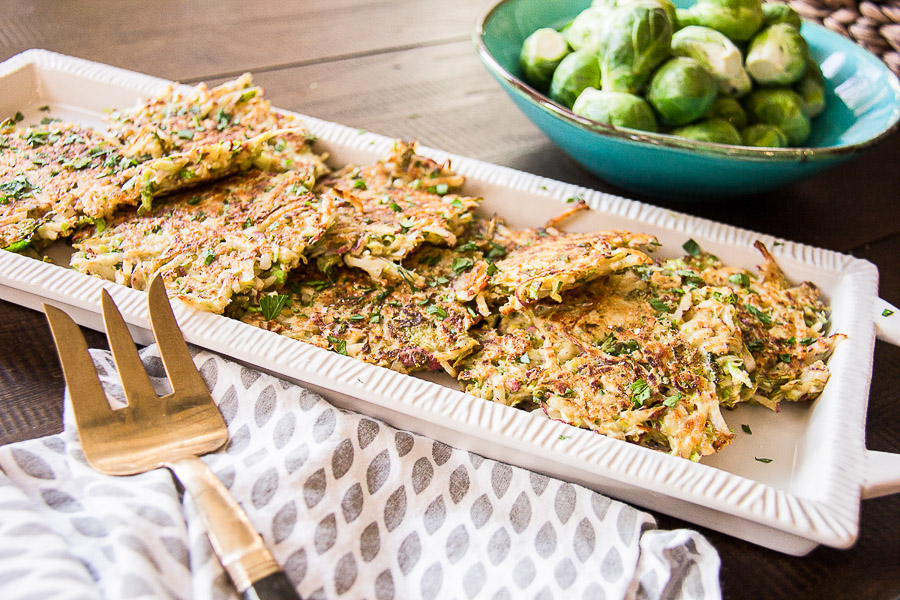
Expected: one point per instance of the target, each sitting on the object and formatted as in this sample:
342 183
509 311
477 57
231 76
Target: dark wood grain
406 68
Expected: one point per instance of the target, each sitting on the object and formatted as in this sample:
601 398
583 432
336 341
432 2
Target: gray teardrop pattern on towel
354 508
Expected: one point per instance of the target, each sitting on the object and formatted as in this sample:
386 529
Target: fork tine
135 382
88 398
183 375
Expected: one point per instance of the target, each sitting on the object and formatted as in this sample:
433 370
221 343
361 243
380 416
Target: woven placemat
873 25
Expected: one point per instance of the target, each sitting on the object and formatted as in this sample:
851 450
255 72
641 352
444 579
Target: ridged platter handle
887 322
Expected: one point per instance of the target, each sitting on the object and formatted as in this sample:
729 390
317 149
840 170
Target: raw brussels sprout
666 5
782 107
585 30
730 110
777 56
635 42
717 54
577 71
811 88
764 135
681 91
541 53
737 19
620 109
780 12
714 130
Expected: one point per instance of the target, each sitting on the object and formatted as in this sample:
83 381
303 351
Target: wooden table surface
408 69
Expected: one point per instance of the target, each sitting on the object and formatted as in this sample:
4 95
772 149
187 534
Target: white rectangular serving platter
809 494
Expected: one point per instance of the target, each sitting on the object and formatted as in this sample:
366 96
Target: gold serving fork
169 431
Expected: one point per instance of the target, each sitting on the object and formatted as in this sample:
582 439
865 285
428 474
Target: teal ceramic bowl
863 107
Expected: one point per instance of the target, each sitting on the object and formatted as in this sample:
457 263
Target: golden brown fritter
239 236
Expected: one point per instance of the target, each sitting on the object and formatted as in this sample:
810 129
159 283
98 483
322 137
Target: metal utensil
169 431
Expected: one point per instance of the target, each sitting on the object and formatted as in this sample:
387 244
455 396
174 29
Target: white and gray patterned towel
350 506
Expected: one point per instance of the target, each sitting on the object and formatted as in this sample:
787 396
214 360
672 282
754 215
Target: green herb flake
691 247
44 108
248 223
659 305
437 311
575 198
457 203
208 257
887 312
746 429
762 460
807 341
100 224
360 184
396 207
195 200
272 305
640 392
672 400
186 134
564 437
375 318
785 358
18 117
766 319
462 264
338 345
491 269
740 279
355 318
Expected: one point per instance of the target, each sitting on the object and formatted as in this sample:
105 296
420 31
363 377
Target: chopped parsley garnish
457 203
755 345
575 198
208 257
564 437
807 341
44 108
496 251
437 311
691 247
355 318
785 358
339 346
672 400
887 312
18 117
360 184
640 392
691 278
491 269
271 305
396 207
613 347
659 305
100 224
15 189
766 319
186 134
462 264
740 279
248 223
746 429
195 200
77 163
466 247
763 460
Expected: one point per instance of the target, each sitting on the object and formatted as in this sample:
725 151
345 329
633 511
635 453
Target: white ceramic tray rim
791 516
